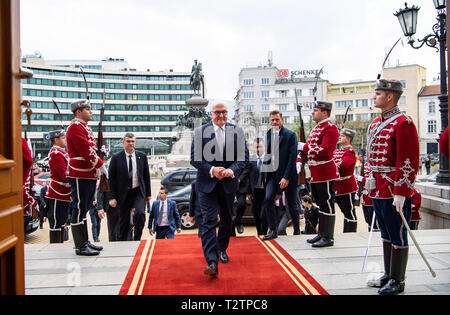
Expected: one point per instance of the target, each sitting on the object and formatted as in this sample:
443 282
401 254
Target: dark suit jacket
244 180
173 215
204 142
118 176
194 206
288 144
253 173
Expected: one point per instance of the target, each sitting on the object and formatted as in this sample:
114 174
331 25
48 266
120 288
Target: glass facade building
147 104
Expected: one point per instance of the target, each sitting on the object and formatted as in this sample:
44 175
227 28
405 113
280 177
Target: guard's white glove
359 178
356 197
103 149
301 145
399 201
104 171
299 167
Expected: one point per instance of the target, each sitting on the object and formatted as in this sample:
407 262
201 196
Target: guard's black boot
86 235
55 236
350 227
271 235
81 243
326 229
381 282
399 260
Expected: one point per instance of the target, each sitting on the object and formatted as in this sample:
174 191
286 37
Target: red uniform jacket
82 149
393 154
345 159
443 143
28 201
319 149
59 187
366 200
416 204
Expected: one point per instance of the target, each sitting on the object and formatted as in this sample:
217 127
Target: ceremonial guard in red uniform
29 203
366 200
393 157
319 149
346 187
415 207
84 168
58 192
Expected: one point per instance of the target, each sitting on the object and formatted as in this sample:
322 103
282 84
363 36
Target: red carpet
175 267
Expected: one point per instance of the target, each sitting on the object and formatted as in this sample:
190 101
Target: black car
182 198
179 179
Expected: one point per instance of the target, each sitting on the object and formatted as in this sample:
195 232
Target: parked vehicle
182 198
41 178
179 179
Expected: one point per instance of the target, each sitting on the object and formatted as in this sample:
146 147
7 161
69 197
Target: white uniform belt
62 184
315 163
80 158
57 192
344 178
382 169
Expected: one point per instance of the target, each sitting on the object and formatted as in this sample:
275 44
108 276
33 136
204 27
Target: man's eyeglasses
218 113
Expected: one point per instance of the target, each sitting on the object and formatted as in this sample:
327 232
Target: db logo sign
283 73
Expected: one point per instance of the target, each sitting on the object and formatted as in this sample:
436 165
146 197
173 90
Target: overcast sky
347 37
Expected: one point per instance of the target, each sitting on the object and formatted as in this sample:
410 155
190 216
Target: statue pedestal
181 149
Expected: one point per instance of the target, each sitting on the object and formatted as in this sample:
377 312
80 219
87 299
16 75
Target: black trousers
368 216
240 209
347 205
324 196
134 200
138 223
83 192
113 224
260 219
57 213
212 204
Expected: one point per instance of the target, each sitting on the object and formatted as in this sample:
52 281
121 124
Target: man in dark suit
257 186
164 217
129 182
219 154
241 197
281 173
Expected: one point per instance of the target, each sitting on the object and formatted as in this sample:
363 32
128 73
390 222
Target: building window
249 95
362 103
402 100
265 107
431 107
265 81
283 93
344 104
432 127
283 107
248 82
403 82
248 108
265 94
265 120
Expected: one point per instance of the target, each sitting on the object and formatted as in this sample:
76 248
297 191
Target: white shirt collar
323 121
217 127
132 154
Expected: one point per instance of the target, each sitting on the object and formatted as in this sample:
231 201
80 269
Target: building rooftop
430 90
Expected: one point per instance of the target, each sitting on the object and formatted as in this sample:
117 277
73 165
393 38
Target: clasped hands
221 173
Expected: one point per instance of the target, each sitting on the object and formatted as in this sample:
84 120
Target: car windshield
182 191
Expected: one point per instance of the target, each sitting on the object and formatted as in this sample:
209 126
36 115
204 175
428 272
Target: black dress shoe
240 228
223 257
212 270
95 247
315 239
323 242
270 236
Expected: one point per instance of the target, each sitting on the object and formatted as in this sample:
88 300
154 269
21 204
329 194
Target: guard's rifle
301 175
104 186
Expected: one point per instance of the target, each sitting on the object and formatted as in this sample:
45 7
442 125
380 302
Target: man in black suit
281 173
241 197
219 154
257 186
129 182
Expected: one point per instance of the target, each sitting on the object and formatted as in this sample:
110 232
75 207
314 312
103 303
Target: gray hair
128 135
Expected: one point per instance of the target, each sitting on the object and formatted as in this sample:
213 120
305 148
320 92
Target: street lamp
407 18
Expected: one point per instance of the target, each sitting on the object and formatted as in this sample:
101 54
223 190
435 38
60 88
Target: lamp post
407 18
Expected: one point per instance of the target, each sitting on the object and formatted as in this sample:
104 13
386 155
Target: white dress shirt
133 161
163 211
218 129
